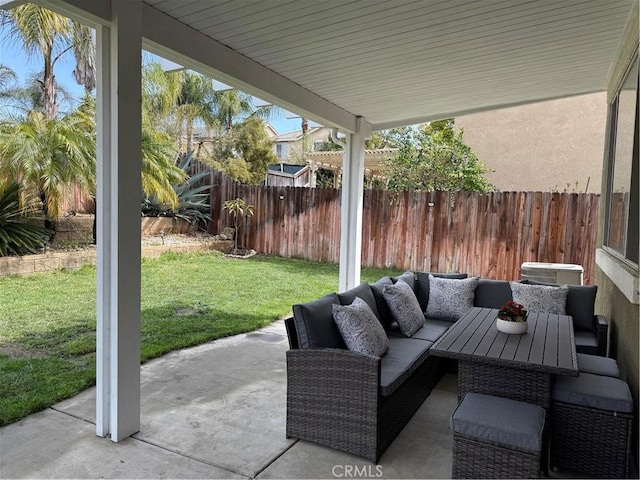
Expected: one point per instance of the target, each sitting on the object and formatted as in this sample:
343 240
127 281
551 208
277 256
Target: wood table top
548 346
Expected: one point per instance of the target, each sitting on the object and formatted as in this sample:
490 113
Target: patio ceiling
391 62
397 62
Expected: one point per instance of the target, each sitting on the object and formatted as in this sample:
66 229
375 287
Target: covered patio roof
355 65
392 63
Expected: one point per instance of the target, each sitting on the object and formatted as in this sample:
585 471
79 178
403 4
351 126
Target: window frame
630 256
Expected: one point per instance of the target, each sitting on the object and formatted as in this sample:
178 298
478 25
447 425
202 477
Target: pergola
355 65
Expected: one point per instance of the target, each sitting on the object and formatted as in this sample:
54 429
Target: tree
253 152
179 100
46 154
42 32
434 157
7 77
232 104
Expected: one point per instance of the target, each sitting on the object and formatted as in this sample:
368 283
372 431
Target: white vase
516 328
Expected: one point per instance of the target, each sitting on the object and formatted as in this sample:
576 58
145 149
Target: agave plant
19 234
192 197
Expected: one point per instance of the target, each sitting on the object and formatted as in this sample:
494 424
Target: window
281 150
621 211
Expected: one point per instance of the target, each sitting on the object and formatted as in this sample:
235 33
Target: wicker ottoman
591 426
598 365
496 437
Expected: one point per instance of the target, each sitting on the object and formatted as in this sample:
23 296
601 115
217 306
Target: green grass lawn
48 321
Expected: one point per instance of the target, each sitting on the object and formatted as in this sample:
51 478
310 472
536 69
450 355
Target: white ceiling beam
175 41
9 4
85 11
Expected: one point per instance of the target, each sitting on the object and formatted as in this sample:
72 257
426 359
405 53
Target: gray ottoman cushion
500 420
593 391
598 365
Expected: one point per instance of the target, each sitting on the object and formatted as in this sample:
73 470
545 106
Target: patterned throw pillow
450 298
541 298
360 328
404 307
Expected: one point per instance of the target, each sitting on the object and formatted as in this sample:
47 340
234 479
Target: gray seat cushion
594 391
598 365
500 420
431 331
586 342
315 325
404 356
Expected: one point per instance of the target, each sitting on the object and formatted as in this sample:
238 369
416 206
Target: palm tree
7 77
232 104
47 153
183 98
42 32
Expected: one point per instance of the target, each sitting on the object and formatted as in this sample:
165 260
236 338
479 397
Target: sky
16 60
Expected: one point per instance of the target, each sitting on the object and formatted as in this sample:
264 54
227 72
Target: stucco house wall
556 145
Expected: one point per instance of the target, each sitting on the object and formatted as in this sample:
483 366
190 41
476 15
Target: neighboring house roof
286 168
296 135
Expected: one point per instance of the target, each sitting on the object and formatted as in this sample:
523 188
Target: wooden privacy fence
488 235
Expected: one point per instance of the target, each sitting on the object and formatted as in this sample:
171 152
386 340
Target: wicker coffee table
519 367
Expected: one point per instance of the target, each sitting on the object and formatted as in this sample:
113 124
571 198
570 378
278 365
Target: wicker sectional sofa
358 403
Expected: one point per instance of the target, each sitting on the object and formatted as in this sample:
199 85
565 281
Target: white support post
351 209
118 222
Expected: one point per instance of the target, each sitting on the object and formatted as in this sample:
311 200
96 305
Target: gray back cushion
384 314
364 292
315 325
407 277
422 285
581 301
492 293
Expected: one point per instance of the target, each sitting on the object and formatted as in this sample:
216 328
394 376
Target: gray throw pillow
541 298
404 307
360 328
450 298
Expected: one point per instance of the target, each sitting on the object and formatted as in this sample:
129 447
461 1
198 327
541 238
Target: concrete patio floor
216 411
